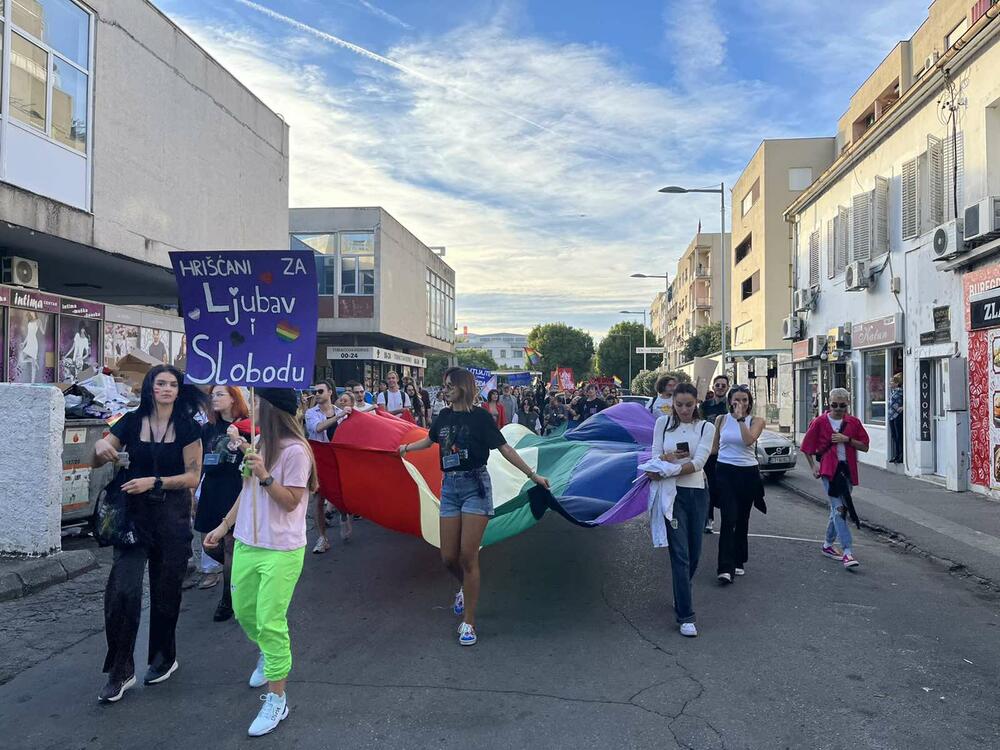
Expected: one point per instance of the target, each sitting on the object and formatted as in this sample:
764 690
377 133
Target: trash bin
82 484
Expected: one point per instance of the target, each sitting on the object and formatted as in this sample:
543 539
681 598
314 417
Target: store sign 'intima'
250 317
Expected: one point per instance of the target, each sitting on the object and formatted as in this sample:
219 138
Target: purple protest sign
250 317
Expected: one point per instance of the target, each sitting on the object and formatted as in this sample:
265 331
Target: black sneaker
223 612
156 675
115 689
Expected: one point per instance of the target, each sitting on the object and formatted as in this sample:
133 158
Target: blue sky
529 137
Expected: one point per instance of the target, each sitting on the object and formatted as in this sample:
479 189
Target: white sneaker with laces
322 545
725 578
272 713
688 629
257 679
467 635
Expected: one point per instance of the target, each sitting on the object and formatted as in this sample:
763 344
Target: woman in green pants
270 521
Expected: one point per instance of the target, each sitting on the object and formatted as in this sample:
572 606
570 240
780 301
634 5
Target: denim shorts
466 492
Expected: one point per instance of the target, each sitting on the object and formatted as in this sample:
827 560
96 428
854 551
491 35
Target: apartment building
506 348
658 321
695 301
897 255
386 299
120 140
761 261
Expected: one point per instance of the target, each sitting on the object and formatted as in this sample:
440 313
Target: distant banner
249 317
486 381
601 382
518 378
562 378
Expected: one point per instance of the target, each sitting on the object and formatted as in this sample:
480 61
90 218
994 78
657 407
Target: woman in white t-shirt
682 438
270 529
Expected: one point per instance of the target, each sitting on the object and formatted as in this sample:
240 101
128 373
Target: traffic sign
649 350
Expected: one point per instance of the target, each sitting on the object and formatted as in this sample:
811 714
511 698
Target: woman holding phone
738 477
682 438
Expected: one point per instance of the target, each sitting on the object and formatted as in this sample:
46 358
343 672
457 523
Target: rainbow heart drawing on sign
287 331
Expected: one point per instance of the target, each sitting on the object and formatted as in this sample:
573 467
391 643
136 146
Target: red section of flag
361 471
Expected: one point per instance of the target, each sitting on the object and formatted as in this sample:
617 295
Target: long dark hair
681 388
190 400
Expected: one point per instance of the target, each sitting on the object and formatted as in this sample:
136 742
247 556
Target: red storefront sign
879 332
800 350
984 383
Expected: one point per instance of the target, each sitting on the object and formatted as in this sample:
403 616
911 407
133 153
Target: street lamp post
643 314
721 190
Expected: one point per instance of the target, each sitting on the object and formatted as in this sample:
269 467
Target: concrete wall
924 285
184 156
401 261
31 421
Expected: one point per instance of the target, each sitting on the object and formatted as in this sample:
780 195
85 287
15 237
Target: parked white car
776 454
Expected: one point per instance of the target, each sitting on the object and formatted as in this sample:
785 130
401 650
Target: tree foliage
561 345
436 365
476 358
613 352
644 384
706 340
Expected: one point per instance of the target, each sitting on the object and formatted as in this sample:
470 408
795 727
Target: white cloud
506 197
694 39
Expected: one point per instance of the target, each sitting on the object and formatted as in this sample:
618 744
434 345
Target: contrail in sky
384 14
326 37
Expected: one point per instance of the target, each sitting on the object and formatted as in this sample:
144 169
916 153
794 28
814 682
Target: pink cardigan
818 440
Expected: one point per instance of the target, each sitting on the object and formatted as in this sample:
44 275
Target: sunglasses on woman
837 405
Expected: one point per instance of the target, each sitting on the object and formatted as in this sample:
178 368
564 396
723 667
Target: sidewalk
22 576
962 529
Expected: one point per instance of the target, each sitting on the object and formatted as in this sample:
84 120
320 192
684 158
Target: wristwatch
267 482
157 484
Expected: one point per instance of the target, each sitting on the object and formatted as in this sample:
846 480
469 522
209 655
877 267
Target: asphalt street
578 649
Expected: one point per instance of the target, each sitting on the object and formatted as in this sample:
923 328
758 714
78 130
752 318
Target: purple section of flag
633 503
250 317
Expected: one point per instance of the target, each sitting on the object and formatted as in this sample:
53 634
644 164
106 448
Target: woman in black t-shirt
163 443
221 483
466 435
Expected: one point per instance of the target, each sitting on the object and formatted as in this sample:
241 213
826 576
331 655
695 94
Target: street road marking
789 538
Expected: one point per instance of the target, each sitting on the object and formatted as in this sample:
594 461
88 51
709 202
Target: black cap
281 398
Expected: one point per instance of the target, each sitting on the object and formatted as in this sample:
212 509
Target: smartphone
682 447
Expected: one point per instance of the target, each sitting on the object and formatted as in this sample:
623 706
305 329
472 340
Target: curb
897 539
26 576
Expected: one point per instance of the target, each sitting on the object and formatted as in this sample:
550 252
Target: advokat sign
250 317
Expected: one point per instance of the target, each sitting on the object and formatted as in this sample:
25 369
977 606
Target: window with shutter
843 237
953 187
831 248
814 258
880 217
861 230
909 198
935 181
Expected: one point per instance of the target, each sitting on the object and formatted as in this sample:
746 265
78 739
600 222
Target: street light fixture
643 314
666 291
721 190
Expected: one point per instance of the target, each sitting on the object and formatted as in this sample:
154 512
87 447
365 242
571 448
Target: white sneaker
459 606
725 578
272 713
709 527
467 635
322 545
740 572
688 629
257 679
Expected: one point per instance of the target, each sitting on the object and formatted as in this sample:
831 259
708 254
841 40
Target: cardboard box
132 368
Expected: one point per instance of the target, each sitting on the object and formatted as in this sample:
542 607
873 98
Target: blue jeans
690 511
837 528
466 492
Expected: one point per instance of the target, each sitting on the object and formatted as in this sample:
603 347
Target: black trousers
737 490
712 486
165 530
896 429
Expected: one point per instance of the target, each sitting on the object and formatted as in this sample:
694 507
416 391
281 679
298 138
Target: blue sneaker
466 635
459 606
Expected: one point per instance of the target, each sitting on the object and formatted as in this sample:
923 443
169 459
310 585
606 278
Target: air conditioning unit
982 219
948 240
803 299
816 345
20 272
856 276
931 59
791 328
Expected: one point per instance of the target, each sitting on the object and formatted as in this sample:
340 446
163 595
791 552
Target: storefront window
874 384
31 344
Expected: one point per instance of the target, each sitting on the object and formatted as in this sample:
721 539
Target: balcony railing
702 272
702 303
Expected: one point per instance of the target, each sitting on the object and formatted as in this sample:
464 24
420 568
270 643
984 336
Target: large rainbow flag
593 471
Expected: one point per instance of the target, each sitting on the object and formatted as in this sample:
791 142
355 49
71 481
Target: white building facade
506 348
880 264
